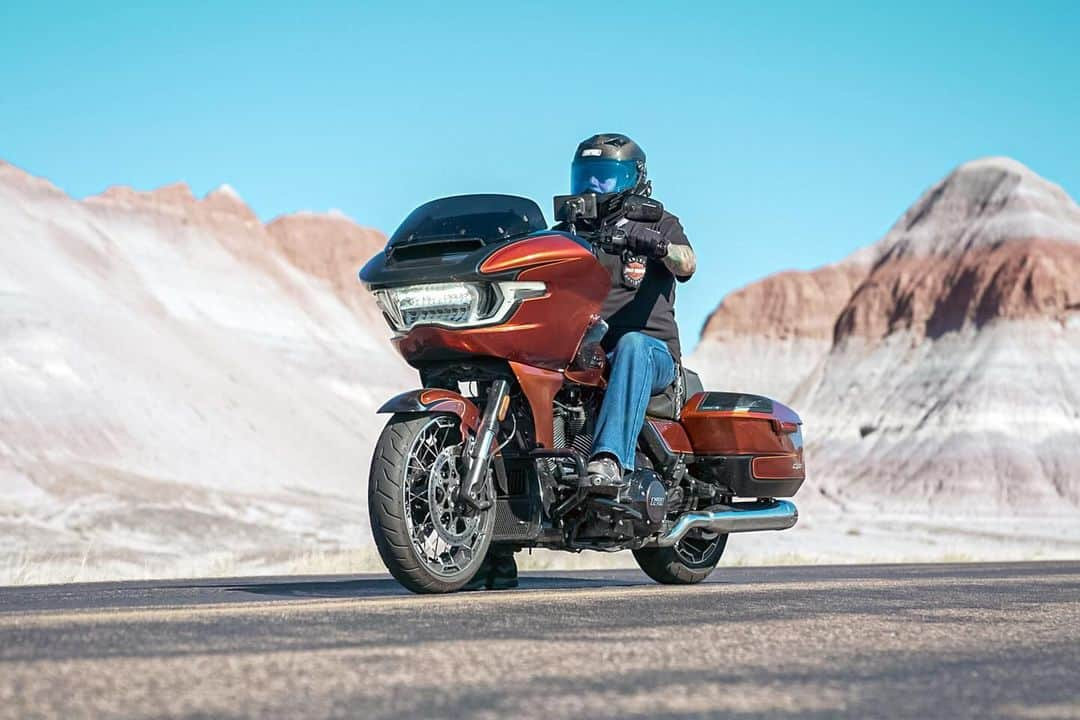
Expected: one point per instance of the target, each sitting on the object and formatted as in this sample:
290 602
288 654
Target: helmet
609 163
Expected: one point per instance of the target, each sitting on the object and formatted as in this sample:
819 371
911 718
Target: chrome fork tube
480 453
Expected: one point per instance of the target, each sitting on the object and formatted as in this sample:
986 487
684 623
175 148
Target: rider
642 339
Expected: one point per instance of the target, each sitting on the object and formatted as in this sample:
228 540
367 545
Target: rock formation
938 367
178 380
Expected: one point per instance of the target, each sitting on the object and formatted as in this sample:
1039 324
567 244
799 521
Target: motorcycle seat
668 404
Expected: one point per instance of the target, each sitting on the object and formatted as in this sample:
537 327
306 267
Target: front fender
431 400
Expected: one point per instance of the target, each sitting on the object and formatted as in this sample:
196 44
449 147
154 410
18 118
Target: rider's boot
504 575
498 571
603 475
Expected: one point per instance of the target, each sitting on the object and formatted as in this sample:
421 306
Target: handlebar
611 240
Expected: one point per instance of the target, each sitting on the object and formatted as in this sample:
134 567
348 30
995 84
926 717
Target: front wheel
429 539
689 561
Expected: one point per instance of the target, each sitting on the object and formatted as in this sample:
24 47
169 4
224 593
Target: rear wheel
428 538
689 561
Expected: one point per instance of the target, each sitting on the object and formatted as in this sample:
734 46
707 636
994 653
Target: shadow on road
388 587
772 581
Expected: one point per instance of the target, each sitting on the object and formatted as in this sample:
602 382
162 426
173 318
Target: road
896 641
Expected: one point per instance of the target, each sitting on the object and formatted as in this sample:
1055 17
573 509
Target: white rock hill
175 385
937 369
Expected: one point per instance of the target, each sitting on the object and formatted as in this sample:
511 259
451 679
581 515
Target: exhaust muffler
736 517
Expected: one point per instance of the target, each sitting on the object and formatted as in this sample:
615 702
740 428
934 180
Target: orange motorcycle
499 314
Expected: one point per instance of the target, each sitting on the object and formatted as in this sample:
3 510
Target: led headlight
446 302
454 304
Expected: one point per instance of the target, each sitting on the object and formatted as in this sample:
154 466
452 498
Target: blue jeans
641 366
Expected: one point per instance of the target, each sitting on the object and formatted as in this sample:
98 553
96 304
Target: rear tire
689 562
417 456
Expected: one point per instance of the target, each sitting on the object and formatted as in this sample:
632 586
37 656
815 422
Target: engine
572 426
646 495
638 508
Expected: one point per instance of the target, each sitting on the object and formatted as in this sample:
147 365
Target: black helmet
609 163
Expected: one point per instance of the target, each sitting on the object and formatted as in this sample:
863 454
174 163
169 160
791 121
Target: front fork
480 452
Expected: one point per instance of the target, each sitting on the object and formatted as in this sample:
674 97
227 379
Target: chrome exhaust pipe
737 517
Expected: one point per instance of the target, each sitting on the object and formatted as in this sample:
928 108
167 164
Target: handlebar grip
613 243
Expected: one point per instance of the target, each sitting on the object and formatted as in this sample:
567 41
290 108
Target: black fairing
448 239
384 270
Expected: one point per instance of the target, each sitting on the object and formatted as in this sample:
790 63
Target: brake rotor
449 514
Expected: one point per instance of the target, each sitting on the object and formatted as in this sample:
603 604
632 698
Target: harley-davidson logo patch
633 271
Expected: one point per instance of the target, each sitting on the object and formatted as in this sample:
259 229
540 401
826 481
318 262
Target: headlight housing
454 304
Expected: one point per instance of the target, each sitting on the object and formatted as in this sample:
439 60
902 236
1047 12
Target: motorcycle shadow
387 587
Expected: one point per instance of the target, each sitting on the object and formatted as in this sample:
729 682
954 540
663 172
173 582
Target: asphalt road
897 641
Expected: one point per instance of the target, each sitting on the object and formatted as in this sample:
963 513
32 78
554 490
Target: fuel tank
535 291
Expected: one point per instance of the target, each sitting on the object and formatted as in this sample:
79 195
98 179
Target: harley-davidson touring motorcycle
499 314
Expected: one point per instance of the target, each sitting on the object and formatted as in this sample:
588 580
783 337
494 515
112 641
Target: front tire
690 561
428 539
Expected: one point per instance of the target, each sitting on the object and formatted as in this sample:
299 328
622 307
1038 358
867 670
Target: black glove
643 240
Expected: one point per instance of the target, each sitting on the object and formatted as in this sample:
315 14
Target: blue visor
602 175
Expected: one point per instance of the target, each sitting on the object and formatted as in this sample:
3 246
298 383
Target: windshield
486 218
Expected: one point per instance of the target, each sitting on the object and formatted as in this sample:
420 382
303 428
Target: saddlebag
748 444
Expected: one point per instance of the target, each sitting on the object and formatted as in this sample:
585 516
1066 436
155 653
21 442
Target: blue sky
785 134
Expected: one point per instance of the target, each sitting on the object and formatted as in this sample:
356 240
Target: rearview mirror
571 208
642 209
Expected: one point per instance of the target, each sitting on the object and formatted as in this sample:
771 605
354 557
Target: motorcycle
499 315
